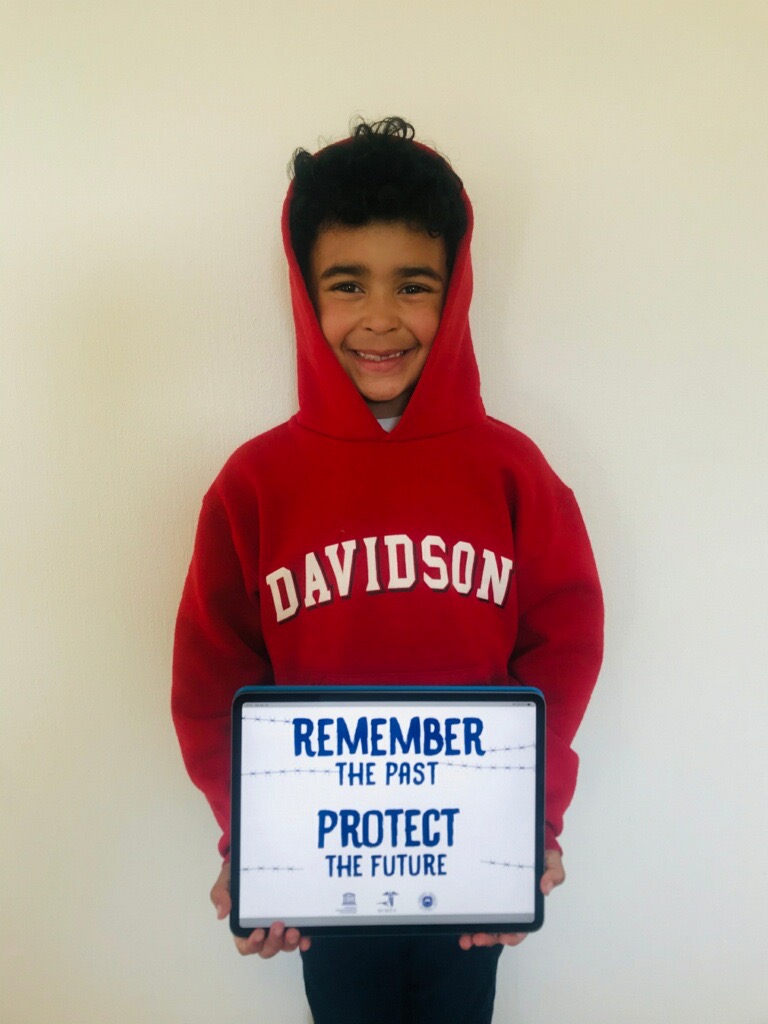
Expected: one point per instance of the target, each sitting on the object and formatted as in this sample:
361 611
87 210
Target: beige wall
617 155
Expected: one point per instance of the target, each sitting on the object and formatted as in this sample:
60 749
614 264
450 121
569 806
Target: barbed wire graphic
265 867
262 718
521 746
293 771
508 864
488 767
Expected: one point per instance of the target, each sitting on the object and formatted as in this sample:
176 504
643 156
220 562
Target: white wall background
617 155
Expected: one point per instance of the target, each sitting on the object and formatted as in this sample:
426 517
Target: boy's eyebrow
360 270
344 270
421 271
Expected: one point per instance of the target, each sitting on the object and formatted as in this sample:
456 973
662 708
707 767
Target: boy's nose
380 317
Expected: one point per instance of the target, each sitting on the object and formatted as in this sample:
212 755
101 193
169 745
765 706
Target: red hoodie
330 551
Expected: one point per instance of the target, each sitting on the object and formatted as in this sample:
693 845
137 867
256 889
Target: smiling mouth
380 357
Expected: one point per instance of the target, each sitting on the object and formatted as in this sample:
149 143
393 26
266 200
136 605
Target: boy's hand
554 875
264 943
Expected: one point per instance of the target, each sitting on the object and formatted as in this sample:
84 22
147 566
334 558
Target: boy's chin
385 408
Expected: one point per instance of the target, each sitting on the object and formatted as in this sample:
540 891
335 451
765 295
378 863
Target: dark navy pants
399 980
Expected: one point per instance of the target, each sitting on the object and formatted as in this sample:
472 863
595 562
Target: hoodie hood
447 396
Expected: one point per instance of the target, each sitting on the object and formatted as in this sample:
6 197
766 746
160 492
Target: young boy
390 532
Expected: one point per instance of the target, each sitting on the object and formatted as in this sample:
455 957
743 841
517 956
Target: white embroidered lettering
399 542
314 582
461 577
495 578
437 562
431 562
342 570
373 568
285 599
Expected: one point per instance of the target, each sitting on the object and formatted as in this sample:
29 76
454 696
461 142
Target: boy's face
378 291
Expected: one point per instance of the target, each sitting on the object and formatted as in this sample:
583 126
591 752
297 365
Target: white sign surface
384 813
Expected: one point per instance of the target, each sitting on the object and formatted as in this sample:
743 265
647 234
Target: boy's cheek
334 327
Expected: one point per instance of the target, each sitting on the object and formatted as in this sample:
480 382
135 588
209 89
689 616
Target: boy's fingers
220 897
267 944
492 939
555 872
222 901
554 875
274 941
252 944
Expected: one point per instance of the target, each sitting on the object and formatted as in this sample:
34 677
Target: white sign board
387 809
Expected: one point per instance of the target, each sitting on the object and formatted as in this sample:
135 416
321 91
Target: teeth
379 359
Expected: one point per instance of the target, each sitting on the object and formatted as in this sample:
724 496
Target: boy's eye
414 289
345 286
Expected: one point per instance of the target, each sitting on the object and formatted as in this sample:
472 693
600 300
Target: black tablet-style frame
277 699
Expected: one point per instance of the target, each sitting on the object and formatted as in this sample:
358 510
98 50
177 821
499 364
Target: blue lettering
433 737
360 738
472 729
326 822
410 827
413 738
450 735
323 737
376 737
302 730
431 838
350 823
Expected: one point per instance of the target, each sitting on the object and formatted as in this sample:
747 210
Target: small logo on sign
387 905
348 904
427 901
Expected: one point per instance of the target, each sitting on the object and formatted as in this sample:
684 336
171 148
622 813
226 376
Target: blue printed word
408 774
382 737
394 826
402 864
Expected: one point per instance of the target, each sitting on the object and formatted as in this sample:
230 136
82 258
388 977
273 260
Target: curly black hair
378 174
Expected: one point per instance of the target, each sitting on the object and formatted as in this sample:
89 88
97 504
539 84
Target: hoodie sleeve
559 644
218 648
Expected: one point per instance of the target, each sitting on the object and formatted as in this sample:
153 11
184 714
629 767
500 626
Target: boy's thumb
221 899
